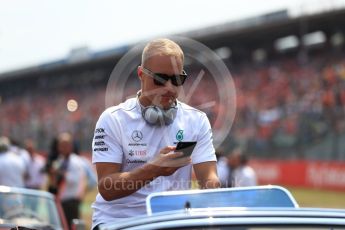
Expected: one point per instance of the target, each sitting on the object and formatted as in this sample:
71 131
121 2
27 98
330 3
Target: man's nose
169 85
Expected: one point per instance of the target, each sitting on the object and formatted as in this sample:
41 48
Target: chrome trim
210 216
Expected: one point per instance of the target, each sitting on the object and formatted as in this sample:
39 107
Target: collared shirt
122 136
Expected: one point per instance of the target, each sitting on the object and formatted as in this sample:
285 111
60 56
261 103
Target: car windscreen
28 210
248 197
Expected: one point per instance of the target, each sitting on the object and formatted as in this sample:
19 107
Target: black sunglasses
160 78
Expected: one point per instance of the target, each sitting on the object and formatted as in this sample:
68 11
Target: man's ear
140 72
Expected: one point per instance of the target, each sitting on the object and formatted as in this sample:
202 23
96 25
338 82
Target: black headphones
154 115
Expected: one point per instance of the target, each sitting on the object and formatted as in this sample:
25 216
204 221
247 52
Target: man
133 146
36 177
240 172
12 167
223 170
67 178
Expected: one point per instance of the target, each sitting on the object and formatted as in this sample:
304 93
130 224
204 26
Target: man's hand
113 184
168 161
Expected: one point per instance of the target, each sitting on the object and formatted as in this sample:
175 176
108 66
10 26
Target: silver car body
200 213
29 208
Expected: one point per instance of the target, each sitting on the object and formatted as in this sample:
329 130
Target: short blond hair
162 46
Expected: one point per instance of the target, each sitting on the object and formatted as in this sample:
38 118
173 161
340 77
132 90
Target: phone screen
185 147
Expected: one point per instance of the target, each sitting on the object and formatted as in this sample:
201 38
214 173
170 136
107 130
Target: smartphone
186 147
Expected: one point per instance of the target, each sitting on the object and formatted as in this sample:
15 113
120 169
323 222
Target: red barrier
315 174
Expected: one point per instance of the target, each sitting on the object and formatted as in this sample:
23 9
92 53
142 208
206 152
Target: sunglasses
160 78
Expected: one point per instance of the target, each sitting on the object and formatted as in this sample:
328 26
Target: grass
86 210
305 197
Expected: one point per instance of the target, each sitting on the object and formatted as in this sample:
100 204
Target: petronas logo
179 135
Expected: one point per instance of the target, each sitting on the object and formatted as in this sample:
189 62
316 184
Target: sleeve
204 150
106 144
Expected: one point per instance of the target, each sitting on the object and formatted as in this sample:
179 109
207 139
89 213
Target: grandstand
289 74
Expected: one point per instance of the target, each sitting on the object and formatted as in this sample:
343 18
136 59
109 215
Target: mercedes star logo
137 135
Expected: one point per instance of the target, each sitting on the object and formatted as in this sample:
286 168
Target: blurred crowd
285 108
63 172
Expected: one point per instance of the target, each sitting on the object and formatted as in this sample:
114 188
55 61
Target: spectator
90 174
222 168
36 178
67 178
12 167
16 148
240 173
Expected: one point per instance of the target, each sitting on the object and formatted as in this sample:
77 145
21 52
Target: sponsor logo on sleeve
99 143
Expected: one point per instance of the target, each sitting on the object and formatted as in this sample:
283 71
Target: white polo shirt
123 136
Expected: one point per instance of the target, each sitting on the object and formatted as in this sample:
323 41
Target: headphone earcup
169 115
153 115
157 116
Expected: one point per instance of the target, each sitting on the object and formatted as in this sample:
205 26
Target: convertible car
260 207
26 208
